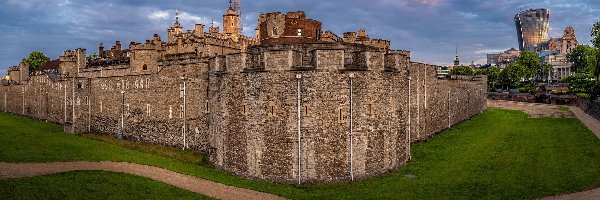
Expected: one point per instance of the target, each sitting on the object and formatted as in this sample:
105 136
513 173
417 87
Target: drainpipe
409 120
23 92
73 105
449 124
89 102
184 114
298 77
65 107
122 112
351 75
89 114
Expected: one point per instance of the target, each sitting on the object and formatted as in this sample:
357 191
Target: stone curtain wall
243 111
254 114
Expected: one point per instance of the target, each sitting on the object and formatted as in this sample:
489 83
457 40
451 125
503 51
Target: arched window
145 67
299 32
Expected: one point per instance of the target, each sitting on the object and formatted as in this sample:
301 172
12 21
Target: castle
294 104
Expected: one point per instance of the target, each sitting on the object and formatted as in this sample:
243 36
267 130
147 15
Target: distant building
456 60
554 52
532 27
441 71
501 60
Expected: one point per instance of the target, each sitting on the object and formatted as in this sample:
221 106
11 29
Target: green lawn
91 185
499 154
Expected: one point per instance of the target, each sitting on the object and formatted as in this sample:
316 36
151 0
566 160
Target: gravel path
533 109
194 184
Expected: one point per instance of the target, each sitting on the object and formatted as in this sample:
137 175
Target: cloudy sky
431 29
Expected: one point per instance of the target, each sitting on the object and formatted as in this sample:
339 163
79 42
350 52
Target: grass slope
91 185
499 154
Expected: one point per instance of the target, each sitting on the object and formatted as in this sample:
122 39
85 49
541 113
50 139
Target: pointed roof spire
176 24
456 60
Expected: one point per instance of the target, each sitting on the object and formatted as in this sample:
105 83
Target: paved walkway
545 110
194 184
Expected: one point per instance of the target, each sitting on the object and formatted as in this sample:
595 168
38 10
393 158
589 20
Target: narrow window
180 90
147 83
341 115
244 108
145 67
299 31
181 113
170 112
148 110
101 107
207 109
271 108
306 110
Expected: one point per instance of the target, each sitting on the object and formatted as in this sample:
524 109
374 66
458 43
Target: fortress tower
231 21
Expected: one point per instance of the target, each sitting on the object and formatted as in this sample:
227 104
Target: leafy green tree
493 74
595 62
580 83
581 58
596 35
35 59
512 75
92 57
531 61
462 70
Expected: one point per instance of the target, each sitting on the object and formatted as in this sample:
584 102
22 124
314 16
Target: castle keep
294 104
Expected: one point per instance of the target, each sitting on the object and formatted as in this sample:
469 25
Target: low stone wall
570 100
591 107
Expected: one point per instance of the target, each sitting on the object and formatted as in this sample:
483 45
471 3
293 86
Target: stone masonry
305 111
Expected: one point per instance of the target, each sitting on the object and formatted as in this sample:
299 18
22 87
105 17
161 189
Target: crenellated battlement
331 57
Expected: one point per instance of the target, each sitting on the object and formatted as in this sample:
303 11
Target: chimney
101 50
118 45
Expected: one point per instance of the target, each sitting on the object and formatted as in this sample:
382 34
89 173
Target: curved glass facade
532 27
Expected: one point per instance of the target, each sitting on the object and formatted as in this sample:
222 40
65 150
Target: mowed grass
499 154
91 185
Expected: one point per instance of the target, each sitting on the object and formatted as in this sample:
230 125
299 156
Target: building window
145 67
148 110
207 109
244 108
306 110
271 109
341 115
181 113
299 32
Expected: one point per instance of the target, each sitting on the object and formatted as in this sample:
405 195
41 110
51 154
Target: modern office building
532 27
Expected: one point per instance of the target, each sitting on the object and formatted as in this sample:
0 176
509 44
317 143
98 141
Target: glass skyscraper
532 27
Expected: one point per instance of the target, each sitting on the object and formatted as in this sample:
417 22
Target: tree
35 59
595 62
92 57
462 70
596 35
493 74
512 75
531 61
581 59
